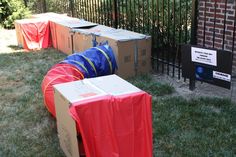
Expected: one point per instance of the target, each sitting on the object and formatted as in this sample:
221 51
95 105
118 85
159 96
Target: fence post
194 22
71 3
114 14
193 41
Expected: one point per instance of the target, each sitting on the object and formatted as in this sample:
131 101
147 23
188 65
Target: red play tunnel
59 73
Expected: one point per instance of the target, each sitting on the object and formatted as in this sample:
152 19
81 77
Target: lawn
181 127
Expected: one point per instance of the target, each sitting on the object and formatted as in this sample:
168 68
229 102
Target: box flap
95 87
74 23
79 90
114 85
124 35
96 30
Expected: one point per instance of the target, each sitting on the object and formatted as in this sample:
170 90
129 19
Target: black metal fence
169 22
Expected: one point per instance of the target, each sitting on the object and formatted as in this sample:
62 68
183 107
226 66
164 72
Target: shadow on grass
146 83
15 47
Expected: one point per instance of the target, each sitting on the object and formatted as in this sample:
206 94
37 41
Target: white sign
204 56
221 76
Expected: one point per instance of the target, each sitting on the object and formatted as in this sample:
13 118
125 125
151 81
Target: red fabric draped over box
35 33
115 126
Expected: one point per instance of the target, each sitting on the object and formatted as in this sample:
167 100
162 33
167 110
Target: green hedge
11 10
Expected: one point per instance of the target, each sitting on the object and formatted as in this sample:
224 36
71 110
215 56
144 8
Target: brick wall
216 22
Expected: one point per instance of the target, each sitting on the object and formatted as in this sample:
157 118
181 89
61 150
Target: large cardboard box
19 35
89 90
33 33
64 33
86 38
132 51
44 16
53 31
53 18
65 95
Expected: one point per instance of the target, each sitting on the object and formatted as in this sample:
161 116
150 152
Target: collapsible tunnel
59 73
96 61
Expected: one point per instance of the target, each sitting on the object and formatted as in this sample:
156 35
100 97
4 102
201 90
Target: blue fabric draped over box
96 61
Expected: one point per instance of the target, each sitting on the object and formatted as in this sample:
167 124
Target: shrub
11 10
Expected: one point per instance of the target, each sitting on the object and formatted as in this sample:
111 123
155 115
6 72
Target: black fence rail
169 22
99 11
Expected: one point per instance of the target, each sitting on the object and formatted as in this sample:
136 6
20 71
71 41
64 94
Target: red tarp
36 33
59 73
115 126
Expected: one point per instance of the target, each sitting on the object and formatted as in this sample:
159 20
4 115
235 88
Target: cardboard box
19 35
18 29
85 38
53 31
53 18
29 35
65 95
132 51
69 93
64 33
144 56
44 16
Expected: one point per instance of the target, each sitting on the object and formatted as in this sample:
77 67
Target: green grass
146 83
196 127
26 128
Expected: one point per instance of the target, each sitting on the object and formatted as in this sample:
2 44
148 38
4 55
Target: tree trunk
44 6
25 3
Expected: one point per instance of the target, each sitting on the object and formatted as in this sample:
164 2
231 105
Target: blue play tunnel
96 61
